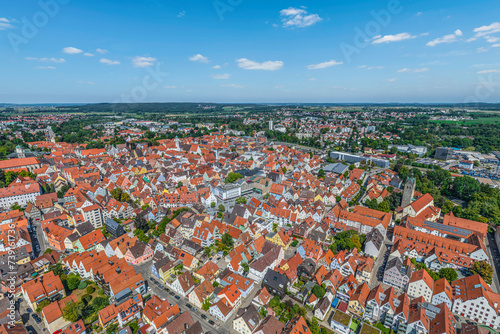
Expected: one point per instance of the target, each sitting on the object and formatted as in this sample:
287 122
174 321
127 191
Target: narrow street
160 291
494 257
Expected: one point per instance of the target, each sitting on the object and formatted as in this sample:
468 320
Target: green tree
233 177
212 205
318 291
227 240
62 191
222 208
206 304
275 301
314 326
99 303
321 173
449 273
484 270
112 329
42 304
465 187
73 282
241 200
384 206
72 311
57 269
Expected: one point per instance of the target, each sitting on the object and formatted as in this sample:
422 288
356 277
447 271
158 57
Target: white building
93 214
421 285
222 310
442 293
475 300
20 194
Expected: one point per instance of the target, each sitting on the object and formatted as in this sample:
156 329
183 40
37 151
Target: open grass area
80 292
480 120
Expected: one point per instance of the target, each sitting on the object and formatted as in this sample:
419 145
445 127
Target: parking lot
28 318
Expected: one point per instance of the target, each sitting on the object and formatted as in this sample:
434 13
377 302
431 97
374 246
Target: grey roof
84 228
250 315
275 280
375 237
336 168
111 223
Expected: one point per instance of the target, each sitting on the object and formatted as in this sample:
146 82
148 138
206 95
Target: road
28 320
493 254
161 292
381 261
40 238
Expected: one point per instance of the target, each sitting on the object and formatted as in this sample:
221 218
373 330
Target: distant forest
164 108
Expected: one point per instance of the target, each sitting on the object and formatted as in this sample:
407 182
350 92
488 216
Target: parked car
177 297
29 310
172 293
189 306
211 322
168 290
203 316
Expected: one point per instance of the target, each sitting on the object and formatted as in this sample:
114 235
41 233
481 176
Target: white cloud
232 86
53 60
418 14
279 87
371 67
488 71
5 24
392 80
298 17
221 76
450 38
324 65
181 14
109 61
71 50
199 58
491 39
392 38
170 87
414 70
216 67
86 54
481 50
248 64
101 51
486 30
139 61
495 46
312 79
86 82
46 67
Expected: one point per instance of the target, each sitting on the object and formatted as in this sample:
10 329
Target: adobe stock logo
223 6
31 26
363 37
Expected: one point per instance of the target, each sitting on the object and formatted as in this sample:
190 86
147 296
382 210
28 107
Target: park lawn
80 292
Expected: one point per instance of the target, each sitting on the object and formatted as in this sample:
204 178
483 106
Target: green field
481 120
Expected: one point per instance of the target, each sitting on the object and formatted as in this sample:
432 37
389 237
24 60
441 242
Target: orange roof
13 163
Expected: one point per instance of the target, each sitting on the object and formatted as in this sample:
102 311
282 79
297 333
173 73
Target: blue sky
70 51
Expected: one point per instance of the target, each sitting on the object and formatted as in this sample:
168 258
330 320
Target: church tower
20 152
409 191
